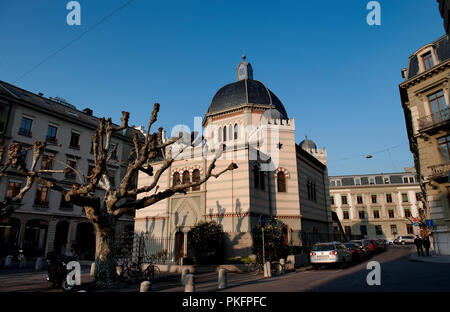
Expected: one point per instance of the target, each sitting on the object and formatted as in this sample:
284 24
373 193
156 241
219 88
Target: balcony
435 120
439 172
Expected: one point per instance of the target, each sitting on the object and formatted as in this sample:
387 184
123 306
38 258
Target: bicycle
151 273
257 268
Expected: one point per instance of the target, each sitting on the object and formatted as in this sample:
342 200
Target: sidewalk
431 259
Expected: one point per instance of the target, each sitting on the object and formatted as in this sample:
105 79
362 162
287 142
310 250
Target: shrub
205 243
274 243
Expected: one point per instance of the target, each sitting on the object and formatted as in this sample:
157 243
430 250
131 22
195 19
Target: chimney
40 94
88 111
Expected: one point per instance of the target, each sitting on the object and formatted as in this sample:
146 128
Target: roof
245 92
51 107
442 52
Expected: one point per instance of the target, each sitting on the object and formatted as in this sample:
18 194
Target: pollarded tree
103 212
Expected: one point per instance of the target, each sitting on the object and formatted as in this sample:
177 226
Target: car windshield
350 245
323 247
358 243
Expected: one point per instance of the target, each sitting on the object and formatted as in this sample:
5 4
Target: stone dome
308 145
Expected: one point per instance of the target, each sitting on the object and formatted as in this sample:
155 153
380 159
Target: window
47 162
176 179
378 230
186 177
281 182
332 183
338 182
357 181
409 229
346 215
405 197
427 60
411 179
236 133
344 199
394 229
376 214
363 229
386 180
437 105
359 199
65 204
374 198
196 178
75 140
224 133
405 179
41 196
361 214
311 186
407 214
13 189
332 200
348 230
51 134
112 146
25 126
71 166
391 213
371 181
219 135
256 176
388 198
444 148
261 180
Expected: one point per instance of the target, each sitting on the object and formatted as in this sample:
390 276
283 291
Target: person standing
418 243
426 244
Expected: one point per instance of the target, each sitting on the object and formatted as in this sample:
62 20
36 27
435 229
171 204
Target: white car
405 239
329 253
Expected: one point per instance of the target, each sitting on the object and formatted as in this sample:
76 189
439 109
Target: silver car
329 253
405 239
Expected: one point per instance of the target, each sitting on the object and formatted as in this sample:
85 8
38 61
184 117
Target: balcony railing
434 119
439 171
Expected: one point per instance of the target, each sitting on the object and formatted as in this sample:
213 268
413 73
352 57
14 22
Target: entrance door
179 246
62 230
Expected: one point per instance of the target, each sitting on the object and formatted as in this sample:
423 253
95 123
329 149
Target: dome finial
243 55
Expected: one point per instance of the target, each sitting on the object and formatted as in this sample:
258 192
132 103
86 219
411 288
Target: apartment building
376 205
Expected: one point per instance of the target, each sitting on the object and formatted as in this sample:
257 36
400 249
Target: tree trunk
105 260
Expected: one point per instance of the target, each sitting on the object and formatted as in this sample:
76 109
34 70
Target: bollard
146 286
282 266
23 262
222 281
39 264
8 261
267 271
92 269
184 272
189 283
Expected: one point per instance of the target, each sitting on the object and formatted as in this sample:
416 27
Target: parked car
389 242
381 244
405 239
329 253
358 253
365 247
372 245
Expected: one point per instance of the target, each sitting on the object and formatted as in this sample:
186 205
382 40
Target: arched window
186 177
230 132
224 133
196 178
176 179
281 182
256 176
236 134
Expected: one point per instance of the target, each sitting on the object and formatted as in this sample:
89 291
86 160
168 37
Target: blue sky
335 74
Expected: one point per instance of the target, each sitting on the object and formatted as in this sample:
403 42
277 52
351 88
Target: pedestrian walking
426 244
418 243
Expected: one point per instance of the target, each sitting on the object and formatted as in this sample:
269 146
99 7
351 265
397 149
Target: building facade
42 220
275 176
425 101
378 205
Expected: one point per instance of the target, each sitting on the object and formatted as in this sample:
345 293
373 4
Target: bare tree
103 212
